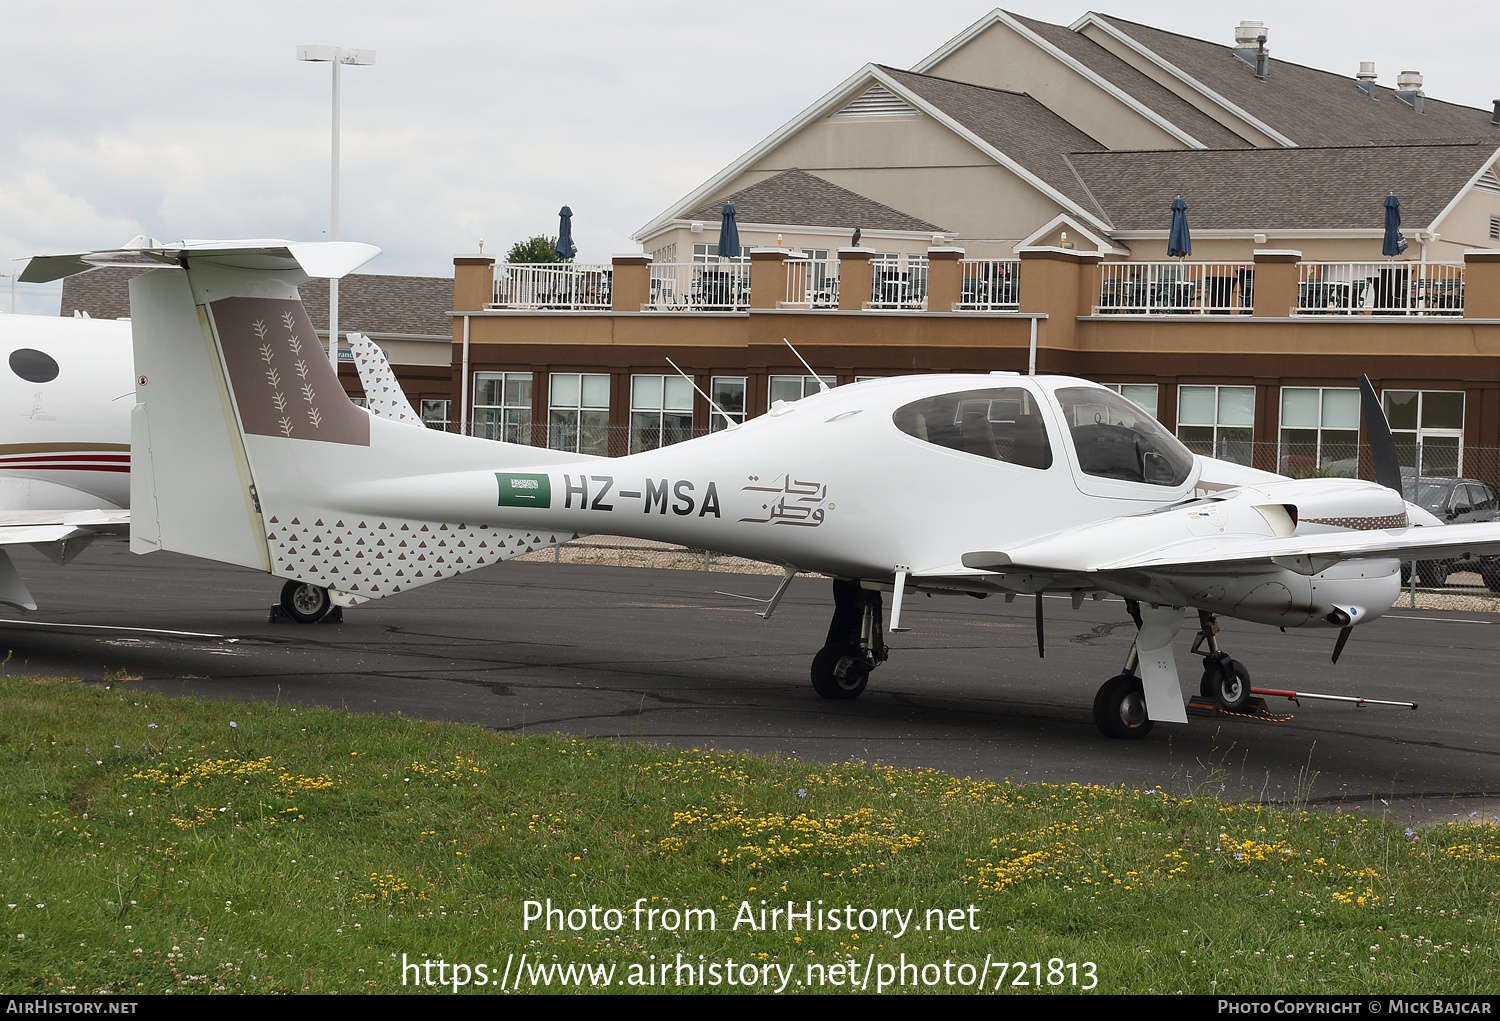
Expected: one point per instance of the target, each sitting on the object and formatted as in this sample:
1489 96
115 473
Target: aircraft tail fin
247 451
383 394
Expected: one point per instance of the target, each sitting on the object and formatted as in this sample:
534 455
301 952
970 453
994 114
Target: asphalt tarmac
657 656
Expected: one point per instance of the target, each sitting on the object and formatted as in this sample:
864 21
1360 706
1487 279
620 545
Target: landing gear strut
855 645
1225 681
1120 705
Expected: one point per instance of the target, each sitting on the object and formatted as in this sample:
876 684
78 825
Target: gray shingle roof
1158 98
370 303
1270 189
1309 106
1015 124
796 197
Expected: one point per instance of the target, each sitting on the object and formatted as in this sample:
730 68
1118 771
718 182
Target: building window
1319 431
794 388
502 406
578 412
1428 426
360 402
1142 395
1217 421
728 393
661 411
435 414
703 253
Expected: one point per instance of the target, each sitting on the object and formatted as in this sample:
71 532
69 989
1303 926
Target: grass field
163 845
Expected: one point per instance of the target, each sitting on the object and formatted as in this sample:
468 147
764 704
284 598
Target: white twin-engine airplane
246 451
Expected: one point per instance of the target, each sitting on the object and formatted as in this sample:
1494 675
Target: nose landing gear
1225 682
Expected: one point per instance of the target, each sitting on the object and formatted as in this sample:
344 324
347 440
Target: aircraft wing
59 535
1304 554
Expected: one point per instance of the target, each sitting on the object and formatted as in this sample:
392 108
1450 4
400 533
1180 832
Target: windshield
1431 496
1114 439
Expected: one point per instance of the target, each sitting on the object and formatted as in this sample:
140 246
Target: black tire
840 671
305 603
1490 572
1227 682
1120 708
1432 573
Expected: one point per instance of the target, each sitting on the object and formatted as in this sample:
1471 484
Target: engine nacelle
1350 593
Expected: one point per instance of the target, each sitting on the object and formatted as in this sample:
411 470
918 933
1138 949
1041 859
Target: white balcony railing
812 283
989 285
552 285
1380 288
1175 288
715 286
898 282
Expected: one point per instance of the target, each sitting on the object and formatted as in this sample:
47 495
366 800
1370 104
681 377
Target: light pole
335 55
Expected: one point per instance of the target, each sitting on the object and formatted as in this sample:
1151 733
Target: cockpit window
1114 439
1003 423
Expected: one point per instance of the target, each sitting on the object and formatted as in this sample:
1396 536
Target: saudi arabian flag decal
524 490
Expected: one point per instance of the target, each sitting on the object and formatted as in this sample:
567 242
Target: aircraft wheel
1120 708
1227 682
305 603
840 671
1490 572
1432 573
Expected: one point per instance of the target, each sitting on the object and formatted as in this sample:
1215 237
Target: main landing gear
1120 707
855 645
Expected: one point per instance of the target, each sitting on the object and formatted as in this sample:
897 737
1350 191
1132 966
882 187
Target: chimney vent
1250 46
1495 117
1365 80
1409 89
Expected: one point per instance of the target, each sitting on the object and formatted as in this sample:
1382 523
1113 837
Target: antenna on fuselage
822 386
729 422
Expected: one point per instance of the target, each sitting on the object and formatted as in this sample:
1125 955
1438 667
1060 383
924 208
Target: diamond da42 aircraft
246 451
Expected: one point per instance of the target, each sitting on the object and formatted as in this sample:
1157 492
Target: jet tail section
247 450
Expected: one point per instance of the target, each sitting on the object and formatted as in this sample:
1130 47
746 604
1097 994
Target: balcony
715 286
1175 288
1380 288
562 286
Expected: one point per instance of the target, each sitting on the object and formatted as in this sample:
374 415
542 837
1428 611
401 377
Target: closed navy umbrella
565 248
1395 241
1179 241
729 234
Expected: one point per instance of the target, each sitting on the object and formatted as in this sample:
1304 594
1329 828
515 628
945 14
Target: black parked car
1456 502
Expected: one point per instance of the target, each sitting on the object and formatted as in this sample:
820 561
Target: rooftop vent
1366 78
1250 46
1409 89
1495 117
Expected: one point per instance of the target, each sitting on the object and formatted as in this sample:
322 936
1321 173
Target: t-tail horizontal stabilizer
247 450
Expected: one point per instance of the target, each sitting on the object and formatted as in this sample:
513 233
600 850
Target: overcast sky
178 119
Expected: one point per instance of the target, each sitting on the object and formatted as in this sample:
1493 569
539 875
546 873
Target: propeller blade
1338 647
1382 444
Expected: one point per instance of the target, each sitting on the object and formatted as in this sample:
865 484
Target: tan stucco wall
1001 58
1151 70
1468 224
